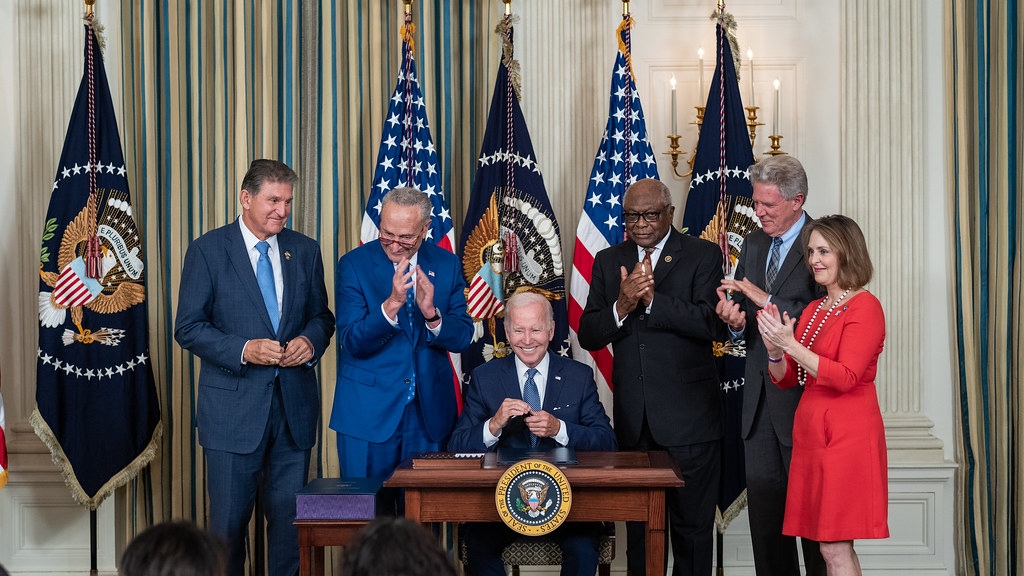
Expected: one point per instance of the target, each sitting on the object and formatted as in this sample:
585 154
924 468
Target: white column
883 188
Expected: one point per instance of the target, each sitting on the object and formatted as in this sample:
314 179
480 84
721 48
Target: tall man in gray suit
772 268
252 306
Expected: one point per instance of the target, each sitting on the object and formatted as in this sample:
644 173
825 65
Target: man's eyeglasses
634 217
405 240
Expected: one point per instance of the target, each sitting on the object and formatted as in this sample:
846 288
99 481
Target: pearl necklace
801 373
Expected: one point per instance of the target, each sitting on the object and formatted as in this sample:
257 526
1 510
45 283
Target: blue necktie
532 397
773 265
265 278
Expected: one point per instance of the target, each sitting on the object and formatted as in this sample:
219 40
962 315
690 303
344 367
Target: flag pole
625 8
93 547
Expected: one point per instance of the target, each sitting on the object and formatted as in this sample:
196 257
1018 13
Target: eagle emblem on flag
117 287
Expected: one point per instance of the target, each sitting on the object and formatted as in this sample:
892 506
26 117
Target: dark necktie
531 394
773 265
265 278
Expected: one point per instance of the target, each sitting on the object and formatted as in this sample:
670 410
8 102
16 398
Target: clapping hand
776 331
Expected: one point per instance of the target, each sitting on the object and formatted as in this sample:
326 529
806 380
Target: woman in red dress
838 478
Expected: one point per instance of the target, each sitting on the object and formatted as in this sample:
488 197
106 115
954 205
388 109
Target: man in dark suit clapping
252 305
653 299
780 189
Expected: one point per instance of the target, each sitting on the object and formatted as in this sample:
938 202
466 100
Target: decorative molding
762 11
46 531
921 533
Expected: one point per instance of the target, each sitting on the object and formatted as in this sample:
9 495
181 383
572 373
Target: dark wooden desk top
594 470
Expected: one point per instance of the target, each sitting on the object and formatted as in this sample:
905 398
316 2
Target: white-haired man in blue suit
568 413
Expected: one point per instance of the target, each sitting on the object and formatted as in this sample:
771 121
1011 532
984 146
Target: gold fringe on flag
627 23
728 24
504 29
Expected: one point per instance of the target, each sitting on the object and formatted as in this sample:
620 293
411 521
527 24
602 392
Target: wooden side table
315 534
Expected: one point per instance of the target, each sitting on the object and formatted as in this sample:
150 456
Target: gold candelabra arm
674 152
752 122
776 148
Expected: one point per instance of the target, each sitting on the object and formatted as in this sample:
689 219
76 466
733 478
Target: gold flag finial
408 6
625 8
508 7
88 6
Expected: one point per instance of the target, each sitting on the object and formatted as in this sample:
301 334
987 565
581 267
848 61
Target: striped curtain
986 99
209 86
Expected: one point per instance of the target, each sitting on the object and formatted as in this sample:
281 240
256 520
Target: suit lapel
238 256
288 300
758 258
671 254
554 387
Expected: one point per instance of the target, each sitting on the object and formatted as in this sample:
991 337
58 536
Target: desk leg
413 504
656 533
304 567
318 559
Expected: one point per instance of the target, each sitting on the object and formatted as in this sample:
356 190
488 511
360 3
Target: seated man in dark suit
566 411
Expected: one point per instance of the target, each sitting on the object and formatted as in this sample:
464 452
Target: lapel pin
668 258
558 377
287 255
430 273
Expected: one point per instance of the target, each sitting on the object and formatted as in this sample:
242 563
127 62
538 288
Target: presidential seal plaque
533 497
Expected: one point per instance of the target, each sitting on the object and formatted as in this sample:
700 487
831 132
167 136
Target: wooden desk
315 534
606 486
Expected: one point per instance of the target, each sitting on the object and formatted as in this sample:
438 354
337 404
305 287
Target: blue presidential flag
510 240
623 157
719 208
96 403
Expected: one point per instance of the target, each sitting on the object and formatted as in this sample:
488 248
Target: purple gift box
338 499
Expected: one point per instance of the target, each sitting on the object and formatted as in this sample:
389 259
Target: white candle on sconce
700 71
775 120
673 83
750 57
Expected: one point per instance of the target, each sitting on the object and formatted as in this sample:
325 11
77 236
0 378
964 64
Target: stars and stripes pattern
719 209
624 157
406 157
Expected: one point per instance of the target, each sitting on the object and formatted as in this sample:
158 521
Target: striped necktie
531 394
773 265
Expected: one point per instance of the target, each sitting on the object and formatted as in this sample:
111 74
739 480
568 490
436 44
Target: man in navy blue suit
401 308
571 415
253 307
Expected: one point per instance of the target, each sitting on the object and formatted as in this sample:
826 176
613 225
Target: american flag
719 209
406 157
625 156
